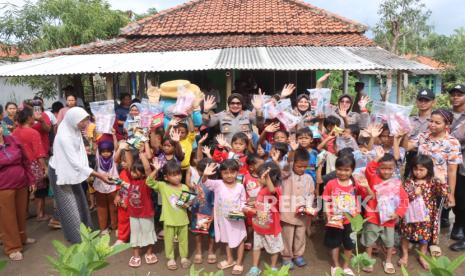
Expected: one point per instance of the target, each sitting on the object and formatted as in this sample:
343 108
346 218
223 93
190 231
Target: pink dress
228 231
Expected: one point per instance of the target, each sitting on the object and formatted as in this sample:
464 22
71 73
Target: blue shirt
311 169
121 113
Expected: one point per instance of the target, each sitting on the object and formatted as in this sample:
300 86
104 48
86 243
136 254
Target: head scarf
445 114
105 163
300 97
348 97
130 117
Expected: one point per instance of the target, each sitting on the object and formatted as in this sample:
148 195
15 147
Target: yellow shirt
186 146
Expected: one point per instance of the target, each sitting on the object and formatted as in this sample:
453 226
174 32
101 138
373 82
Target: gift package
184 102
387 195
104 113
320 100
417 211
396 116
202 223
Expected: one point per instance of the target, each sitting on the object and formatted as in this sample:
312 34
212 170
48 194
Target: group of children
248 196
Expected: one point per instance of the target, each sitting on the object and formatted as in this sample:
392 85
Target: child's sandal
151 259
198 259
368 269
134 261
185 263
211 259
237 270
389 268
171 264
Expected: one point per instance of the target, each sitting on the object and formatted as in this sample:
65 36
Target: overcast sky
447 15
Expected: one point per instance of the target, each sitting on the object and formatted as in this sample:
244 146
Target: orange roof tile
8 51
242 16
427 61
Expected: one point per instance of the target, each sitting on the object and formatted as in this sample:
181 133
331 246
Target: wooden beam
229 83
109 87
399 87
345 81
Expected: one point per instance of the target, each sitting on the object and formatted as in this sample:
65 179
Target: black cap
459 87
426 94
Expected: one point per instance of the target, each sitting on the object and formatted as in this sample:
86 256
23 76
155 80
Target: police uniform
230 124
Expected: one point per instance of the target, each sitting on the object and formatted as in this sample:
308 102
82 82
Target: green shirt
171 214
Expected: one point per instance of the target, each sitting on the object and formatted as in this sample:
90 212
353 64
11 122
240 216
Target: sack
104 113
417 211
320 100
387 195
202 223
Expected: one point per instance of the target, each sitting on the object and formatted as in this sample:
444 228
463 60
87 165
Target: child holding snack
229 204
304 138
425 187
174 210
266 222
380 173
298 190
240 146
340 197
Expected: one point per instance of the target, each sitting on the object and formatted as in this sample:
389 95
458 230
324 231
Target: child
304 138
266 222
170 148
331 123
186 138
423 186
229 198
340 197
202 207
252 187
298 189
240 146
391 144
379 172
174 217
279 135
105 194
278 154
141 212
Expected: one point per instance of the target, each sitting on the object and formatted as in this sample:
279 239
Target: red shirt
331 144
371 210
43 134
251 185
220 155
14 165
342 199
29 138
267 220
140 203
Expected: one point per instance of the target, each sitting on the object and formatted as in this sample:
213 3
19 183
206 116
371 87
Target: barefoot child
229 199
422 185
266 222
380 172
174 217
340 197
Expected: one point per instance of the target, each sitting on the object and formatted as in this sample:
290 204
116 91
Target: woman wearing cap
68 168
235 119
445 152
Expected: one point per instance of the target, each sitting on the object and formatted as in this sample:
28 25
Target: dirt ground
317 256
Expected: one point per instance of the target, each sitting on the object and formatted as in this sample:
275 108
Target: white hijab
69 153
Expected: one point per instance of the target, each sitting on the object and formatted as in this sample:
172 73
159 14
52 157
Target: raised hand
221 141
208 103
203 139
275 156
343 112
375 130
156 164
293 143
257 101
174 121
206 150
363 102
210 169
273 127
175 135
265 173
379 152
288 89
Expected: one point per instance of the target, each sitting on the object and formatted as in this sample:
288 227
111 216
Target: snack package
137 138
396 116
236 215
336 221
387 195
184 102
417 211
288 120
320 100
186 199
202 223
104 113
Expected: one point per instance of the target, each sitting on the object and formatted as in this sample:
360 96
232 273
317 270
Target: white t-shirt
51 116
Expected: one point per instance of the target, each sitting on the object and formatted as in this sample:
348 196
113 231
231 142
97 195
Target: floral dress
427 231
444 152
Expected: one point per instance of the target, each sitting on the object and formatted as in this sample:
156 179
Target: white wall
17 93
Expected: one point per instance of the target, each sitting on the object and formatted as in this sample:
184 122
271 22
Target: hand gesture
203 139
363 102
210 169
293 143
208 103
275 155
156 164
175 135
221 141
174 121
265 174
343 112
206 150
249 135
117 200
288 89
273 127
257 101
375 130
379 152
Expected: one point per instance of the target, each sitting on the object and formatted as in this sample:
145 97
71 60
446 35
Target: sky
447 15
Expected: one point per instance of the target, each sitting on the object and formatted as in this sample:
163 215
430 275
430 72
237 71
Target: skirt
142 232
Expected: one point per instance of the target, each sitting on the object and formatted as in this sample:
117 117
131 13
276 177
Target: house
224 45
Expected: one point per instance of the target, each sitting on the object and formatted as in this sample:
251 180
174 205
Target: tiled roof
427 61
242 16
8 51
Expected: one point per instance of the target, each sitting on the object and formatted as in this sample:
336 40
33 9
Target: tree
50 24
400 20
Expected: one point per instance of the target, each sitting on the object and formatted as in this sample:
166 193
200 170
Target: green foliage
86 257
150 11
2 264
335 83
283 271
194 272
441 266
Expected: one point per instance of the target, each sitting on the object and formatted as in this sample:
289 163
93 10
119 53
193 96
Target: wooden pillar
59 88
92 87
399 87
229 83
109 87
345 81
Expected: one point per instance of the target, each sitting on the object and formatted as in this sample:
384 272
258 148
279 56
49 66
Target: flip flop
238 270
171 264
16 256
134 261
368 269
435 251
185 263
198 259
224 265
151 259
389 268
211 259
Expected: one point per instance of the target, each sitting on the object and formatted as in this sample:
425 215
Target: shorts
335 237
272 244
372 232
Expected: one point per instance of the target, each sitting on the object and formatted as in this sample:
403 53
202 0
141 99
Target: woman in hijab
134 111
302 109
68 168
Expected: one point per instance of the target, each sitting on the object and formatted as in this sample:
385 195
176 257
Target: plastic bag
202 223
151 115
320 100
396 116
362 158
343 142
104 113
271 108
417 211
387 195
289 120
184 102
